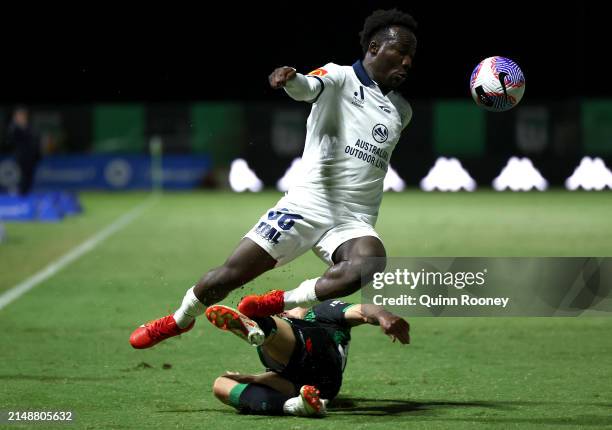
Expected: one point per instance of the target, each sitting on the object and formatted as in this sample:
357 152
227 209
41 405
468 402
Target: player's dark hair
378 23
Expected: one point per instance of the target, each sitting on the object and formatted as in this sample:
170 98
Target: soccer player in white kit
354 125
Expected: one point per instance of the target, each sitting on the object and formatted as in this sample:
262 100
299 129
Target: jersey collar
362 75
365 79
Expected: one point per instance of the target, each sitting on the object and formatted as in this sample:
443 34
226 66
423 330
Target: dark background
213 51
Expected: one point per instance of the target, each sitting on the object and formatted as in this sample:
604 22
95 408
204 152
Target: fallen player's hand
395 327
238 377
279 77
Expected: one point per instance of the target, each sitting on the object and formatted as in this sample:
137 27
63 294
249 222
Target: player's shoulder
402 105
326 68
330 71
399 101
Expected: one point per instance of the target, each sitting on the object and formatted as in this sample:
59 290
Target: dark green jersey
321 346
329 315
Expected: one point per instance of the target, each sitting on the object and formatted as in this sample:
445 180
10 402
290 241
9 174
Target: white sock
304 295
294 406
189 310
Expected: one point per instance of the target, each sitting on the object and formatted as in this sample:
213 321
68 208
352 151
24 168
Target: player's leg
354 263
225 383
27 168
268 394
280 235
273 334
280 342
251 397
248 261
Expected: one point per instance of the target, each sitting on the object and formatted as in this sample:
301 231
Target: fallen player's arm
393 326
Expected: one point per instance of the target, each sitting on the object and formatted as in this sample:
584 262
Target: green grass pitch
64 345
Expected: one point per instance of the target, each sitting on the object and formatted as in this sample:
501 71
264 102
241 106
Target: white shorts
288 230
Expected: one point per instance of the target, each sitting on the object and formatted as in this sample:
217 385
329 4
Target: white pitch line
23 287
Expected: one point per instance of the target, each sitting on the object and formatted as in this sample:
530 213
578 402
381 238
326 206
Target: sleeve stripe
346 308
322 87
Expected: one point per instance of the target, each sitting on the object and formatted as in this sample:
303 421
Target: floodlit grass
65 343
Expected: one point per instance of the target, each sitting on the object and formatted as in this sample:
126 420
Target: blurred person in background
24 144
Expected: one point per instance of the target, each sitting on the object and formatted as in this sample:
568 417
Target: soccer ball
497 84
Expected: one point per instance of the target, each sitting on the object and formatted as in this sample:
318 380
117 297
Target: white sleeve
309 87
407 117
302 88
331 75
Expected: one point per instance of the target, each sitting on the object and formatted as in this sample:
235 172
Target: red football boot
270 303
313 404
226 318
153 332
308 404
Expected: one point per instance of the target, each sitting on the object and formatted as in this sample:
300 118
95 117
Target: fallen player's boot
226 318
307 404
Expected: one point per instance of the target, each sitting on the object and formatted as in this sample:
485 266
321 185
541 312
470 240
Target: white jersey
351 132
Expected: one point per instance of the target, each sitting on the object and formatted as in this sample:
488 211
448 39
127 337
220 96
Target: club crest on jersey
318 72
380 133
358 97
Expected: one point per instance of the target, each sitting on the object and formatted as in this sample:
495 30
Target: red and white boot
308 404
270 303
153 332
229 319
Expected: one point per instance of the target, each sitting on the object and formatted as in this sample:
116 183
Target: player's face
393 59
21 117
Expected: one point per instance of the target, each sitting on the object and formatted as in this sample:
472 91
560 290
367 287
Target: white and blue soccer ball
497 84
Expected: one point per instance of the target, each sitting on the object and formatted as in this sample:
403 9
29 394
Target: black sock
261 399
267 324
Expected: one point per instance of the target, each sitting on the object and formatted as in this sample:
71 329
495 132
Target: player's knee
220 389
367 256
371 266
352 286
366 267
356 272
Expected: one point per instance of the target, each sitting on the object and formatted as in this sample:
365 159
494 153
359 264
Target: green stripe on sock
234 397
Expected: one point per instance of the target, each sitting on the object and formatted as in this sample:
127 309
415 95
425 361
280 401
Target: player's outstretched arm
298 86
280 76
393 326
